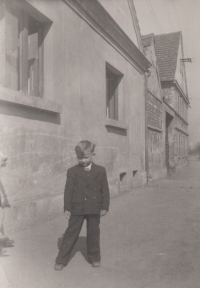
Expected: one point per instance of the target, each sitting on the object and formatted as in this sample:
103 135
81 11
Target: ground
149 239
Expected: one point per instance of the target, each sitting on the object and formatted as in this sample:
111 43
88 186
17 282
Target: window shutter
12 47
33 64
40 60
24 53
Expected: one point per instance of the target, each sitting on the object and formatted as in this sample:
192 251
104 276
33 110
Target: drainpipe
147 74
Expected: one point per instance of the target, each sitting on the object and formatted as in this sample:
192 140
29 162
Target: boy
86 196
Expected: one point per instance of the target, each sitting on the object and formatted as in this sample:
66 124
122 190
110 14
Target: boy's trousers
71 236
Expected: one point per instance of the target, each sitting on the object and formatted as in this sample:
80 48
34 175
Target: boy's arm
106 193
68 192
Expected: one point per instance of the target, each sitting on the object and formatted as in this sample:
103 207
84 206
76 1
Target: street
149 239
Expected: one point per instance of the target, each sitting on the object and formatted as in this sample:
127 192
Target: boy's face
86 159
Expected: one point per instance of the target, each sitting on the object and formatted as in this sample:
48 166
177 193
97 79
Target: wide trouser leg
93 238
70 238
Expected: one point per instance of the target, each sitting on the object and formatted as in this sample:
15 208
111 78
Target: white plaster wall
120 12
40 145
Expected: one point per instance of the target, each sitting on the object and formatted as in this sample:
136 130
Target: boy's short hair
84 146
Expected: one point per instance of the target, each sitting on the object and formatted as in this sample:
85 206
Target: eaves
101 21
174 82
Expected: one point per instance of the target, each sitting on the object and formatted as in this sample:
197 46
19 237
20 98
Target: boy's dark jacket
86 192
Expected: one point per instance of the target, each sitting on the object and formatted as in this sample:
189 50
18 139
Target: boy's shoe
3 238
10 243
96 264
58 266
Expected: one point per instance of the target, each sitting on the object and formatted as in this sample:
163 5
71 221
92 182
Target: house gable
169 51
154 79
123 12
180 75
103 23
167 46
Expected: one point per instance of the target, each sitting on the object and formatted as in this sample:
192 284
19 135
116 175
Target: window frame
24 13
179 144
26 85
112 112
14 96
23 74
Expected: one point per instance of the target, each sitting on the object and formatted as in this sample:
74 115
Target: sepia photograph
99 144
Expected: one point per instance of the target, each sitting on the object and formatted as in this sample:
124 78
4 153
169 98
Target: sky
165 16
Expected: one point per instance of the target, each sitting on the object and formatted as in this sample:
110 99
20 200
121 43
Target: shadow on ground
3 247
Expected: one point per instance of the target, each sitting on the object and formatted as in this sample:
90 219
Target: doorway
168 130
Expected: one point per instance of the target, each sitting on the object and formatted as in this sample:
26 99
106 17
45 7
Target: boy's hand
103 212
67 214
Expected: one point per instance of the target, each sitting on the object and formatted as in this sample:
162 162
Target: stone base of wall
114 187
178 164
20 216
139 179
182 165
157 173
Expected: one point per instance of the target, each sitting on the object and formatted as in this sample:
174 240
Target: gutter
147 75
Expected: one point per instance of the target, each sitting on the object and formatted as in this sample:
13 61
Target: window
35 37
113 78
179 145
175 145
179 106
23 51
184 146
182 112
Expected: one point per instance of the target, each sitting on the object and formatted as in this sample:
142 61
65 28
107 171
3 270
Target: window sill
116 124
19 98
154 128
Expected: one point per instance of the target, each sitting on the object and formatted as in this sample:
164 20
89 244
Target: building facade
71 70
170 55
167 104
155 152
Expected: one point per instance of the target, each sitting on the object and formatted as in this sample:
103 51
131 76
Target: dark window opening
113 78
121 176
134 173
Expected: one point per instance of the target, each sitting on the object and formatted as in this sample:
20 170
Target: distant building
168 106
170 55
155 150
70 70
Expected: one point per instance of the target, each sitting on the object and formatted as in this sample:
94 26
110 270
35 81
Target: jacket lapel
84 175
81 173
92 175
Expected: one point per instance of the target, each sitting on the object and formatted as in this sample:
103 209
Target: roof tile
167 46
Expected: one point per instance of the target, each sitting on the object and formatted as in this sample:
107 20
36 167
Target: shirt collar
88 168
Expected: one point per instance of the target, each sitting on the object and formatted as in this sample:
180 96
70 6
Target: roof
147 39
167 46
